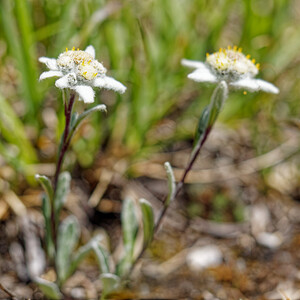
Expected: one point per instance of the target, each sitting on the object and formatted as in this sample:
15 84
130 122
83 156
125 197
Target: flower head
80 71
232 66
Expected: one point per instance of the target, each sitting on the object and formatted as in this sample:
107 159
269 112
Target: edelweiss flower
80 71
232 66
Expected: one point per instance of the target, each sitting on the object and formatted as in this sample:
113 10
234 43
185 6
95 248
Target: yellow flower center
232 62
80 62
77 56
87 71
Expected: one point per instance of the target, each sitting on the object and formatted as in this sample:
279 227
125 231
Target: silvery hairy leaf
68 235
148 221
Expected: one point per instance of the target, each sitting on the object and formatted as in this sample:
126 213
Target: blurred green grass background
141 43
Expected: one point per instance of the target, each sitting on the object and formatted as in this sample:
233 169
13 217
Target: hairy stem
178 189
217 100
188 168
65 141
63 149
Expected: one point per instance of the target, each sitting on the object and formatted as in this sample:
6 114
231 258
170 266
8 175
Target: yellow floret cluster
232 62
81 62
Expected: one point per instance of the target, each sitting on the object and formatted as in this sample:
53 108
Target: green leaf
110 283
210 114
74 118
68 235
102 257
171 183
129 229
50 289
123 266
62 191
82 252
45 182
218 98
46 208
202 124
77 119
148 221
81 117
129 225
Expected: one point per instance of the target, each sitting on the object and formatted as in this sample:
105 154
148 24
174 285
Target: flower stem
66 141
218 98
188 168
178 189
216 106
63 149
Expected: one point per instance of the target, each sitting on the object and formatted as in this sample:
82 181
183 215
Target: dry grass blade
9 293
232 171
15 203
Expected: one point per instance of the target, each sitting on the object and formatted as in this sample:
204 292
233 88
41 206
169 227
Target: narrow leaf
46 184
148 221
129 225
77 119
202 124
110 283
210 115
74 119
123 266
102 257
68 235
50 289
218 98
78 257
62 191
171 183
82 252
100 107
129 229
46 208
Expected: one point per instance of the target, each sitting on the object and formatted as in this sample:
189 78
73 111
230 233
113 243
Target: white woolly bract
80 71
233 67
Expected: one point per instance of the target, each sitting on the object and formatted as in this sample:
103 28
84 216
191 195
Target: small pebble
269 240
204 257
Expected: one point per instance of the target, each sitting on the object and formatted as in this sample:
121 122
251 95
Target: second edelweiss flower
232 66
80 71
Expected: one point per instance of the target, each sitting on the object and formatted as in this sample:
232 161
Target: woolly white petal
192 63
66 81
49 62
248 84
62 83
50 74
90 50
86 93
203 75
254 85
267 86
109 83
